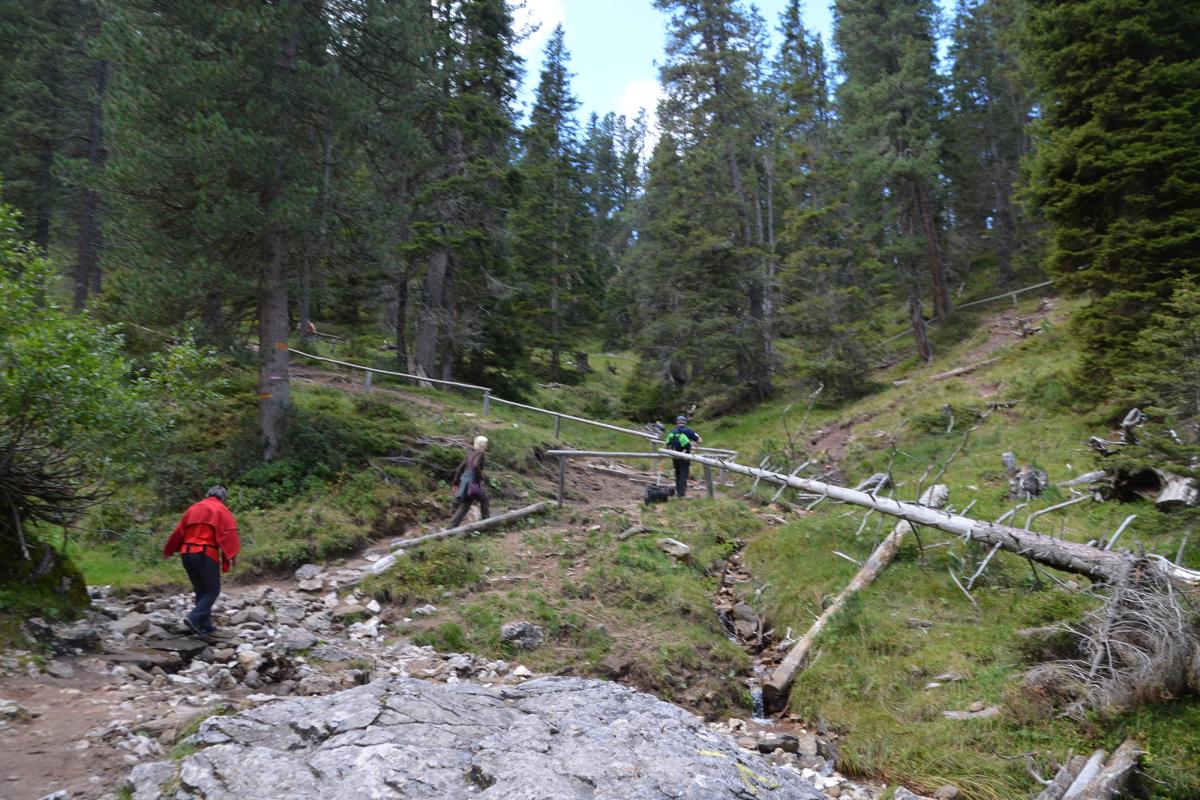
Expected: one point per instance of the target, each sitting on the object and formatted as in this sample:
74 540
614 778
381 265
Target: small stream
781 738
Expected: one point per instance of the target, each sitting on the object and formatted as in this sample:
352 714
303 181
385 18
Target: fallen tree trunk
484 524
950 373
1177 492
1063 779
1100 565
1111 780
1099 779
775 688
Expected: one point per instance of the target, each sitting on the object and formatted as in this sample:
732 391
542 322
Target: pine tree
986 131
829 269
702 259
889 105
551 222
214 168
1116 166
466 197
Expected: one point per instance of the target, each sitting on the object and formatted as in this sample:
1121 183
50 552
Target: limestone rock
552 737
146 780
523 635
308 572
131 624
58 669
674 547
290 640
311 585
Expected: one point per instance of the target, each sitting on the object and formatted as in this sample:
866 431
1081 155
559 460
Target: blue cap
681 418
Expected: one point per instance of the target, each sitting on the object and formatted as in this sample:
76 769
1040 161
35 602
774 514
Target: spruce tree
703 279
987 136
551 221
466 196
1116 166
889 107
829 268
214 168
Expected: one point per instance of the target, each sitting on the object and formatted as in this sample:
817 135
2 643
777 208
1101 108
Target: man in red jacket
207 537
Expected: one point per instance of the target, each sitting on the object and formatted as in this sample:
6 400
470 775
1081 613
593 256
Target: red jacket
208 525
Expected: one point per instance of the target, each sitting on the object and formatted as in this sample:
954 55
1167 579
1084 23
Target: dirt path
82 736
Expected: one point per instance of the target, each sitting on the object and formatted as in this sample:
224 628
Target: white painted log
1063 779
1109 782
775 688
1102 565
1090 770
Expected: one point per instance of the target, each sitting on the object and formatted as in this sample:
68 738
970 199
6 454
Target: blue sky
616 44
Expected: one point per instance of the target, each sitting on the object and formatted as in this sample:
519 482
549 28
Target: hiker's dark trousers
205 575
463 504
681 476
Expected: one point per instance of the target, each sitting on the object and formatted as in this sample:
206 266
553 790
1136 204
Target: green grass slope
871 670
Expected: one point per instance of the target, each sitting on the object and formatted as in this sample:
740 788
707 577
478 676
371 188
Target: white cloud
638 94
544 14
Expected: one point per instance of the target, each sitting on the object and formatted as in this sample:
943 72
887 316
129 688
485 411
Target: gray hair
218 491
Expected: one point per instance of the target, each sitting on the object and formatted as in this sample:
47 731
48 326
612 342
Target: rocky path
283 688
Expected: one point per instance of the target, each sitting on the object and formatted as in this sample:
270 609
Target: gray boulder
308 572
522 635
131 624
562 738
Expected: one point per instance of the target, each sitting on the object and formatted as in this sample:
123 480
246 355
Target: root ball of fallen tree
1140 644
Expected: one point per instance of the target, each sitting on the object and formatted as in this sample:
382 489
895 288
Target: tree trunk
776 688
385 563
431 319
933 252
1111 779
274 388
1063 779
1100 565
920 336
402 315
306 276
1177 492
42 210
87 265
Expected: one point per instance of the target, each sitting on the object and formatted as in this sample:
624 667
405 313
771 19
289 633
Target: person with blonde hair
467 482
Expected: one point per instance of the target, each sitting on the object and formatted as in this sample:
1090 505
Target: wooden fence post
487 403
562 479
367 380
708 480
557 426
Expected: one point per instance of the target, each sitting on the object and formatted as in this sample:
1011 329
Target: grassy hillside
872 667
371 465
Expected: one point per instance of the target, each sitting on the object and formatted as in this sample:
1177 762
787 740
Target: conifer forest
923 286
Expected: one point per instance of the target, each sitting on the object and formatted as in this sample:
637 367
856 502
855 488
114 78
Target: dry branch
1068 556
491 522
775 689
950 373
